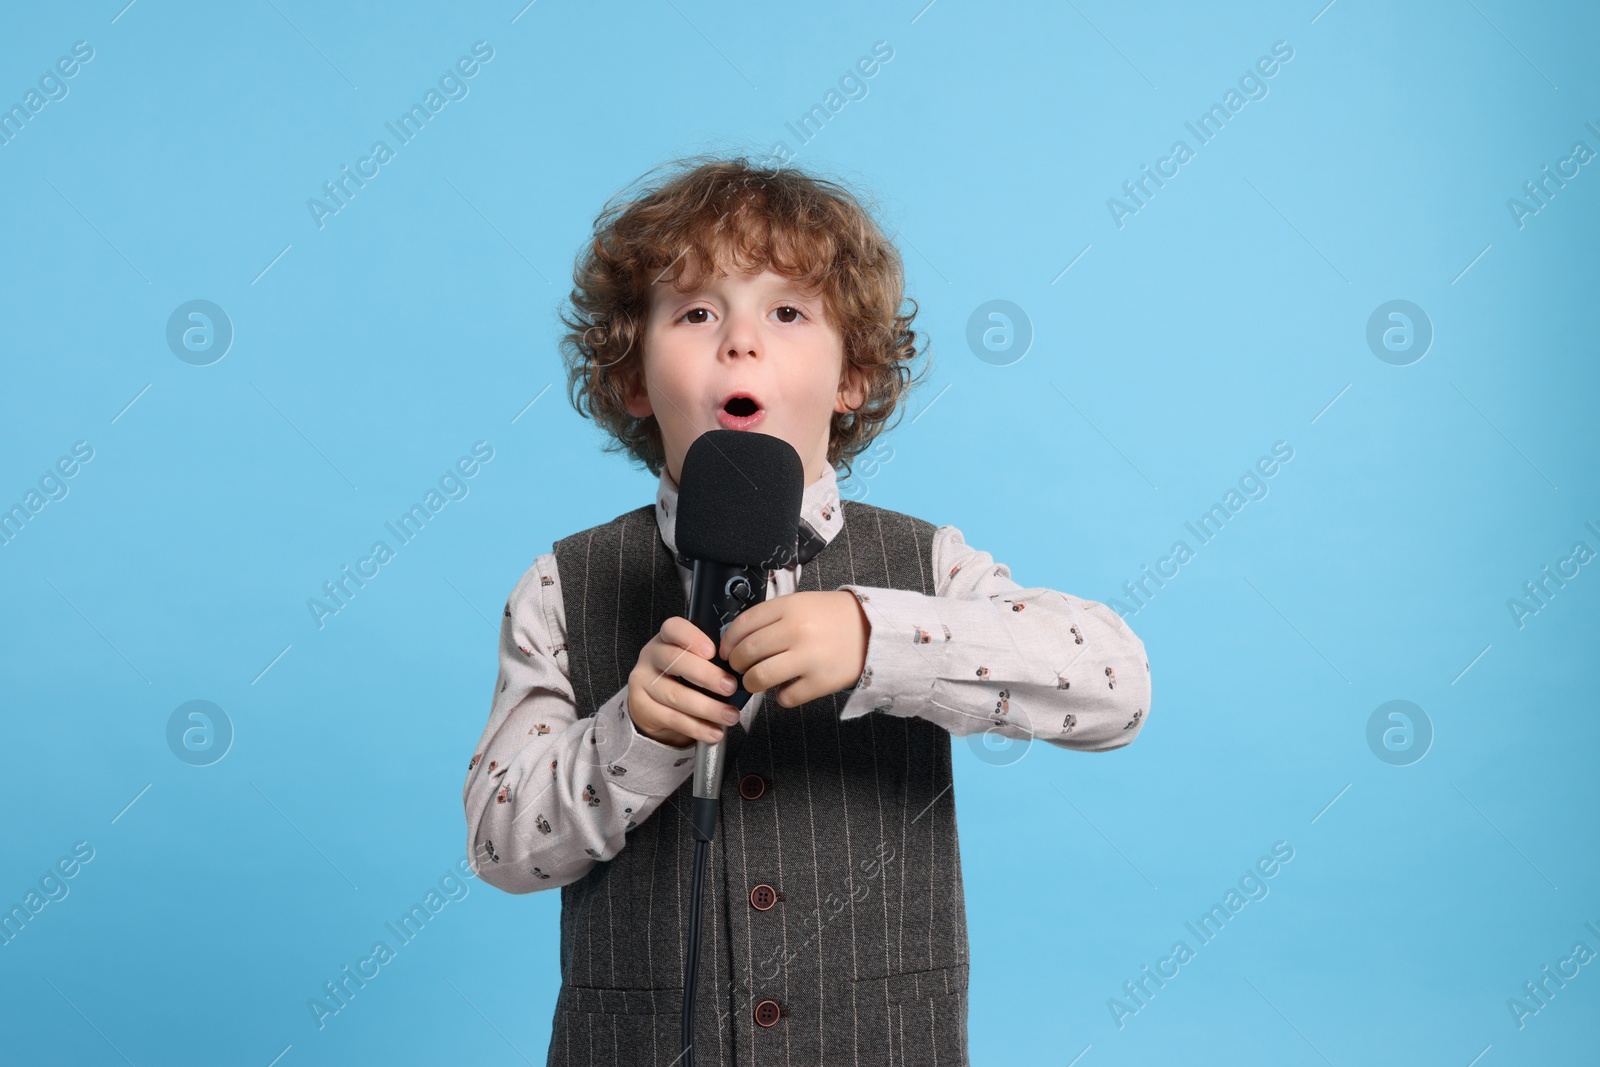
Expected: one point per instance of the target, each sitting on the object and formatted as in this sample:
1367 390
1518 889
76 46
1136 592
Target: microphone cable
720 593
705 814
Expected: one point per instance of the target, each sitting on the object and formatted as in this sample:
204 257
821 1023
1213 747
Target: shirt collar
819 510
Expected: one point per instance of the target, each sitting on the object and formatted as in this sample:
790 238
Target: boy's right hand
663 708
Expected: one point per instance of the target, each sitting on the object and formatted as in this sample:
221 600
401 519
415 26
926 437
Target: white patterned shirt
983 654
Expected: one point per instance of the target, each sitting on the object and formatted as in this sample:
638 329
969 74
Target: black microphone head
739 500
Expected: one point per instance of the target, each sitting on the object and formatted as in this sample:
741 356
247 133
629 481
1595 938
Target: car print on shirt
681 762
615 770
1067 724
488 846
919 636
1003 705
983 672
1077 638
542 823
476 756
504 795
545 579
946 630
539 728
537 873
591 796
1112 675
1137 715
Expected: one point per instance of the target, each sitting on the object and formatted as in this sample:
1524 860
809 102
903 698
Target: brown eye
788 307
696 311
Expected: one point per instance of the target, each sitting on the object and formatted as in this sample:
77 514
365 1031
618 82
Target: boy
834 925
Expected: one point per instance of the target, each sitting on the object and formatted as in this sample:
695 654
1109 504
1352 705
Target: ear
852 390
637 398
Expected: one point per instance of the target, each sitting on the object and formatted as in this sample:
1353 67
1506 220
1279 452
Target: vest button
763 897
752 786
768 1012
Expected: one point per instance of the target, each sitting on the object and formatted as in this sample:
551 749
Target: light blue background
1228 314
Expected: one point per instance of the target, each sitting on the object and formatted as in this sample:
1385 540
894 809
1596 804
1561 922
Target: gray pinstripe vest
833 886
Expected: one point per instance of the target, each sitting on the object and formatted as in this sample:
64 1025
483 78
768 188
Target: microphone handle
718 593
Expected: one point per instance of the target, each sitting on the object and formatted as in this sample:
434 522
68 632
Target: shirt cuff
906 642
633 761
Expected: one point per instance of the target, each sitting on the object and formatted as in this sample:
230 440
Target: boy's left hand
808 643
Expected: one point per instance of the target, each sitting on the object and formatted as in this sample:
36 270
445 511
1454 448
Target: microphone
739 501
738 516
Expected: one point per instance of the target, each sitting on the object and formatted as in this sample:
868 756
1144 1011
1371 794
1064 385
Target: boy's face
755 335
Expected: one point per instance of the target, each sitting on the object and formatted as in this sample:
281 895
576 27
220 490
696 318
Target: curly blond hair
687 222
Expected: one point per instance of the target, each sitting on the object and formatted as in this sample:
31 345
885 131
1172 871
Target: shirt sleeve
985 654
548 794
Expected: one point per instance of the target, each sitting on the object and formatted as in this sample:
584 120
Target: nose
742 338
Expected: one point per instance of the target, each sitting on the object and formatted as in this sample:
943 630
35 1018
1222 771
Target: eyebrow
660 290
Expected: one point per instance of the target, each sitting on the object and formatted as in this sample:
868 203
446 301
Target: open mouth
740 412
